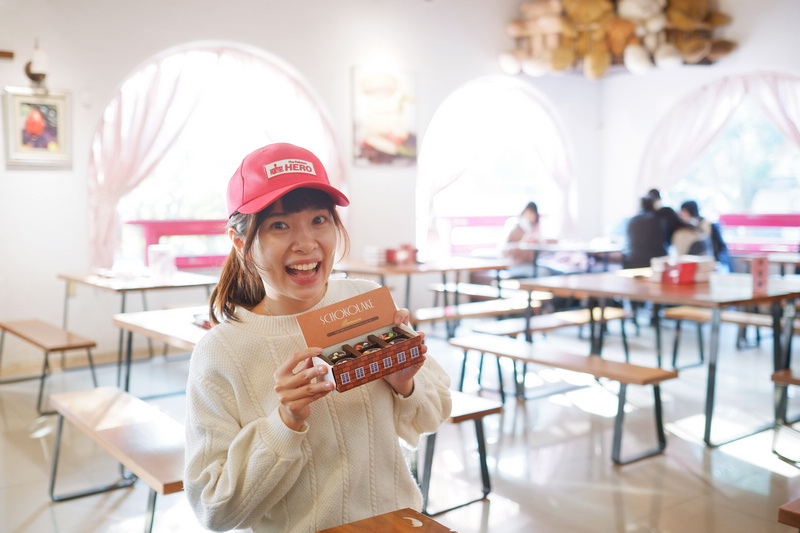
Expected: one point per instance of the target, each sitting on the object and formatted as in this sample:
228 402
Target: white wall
93 44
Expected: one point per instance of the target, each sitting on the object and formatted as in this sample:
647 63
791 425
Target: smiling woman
164 147
261 419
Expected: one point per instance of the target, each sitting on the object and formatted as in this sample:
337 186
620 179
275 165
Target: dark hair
531 207
239 282
690 206
646 203
655 194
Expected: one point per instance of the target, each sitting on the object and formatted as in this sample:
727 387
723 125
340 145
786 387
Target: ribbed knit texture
246 469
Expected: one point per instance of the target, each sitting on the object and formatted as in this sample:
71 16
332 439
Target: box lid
360 315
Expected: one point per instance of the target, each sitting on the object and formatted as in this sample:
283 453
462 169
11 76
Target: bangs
304 198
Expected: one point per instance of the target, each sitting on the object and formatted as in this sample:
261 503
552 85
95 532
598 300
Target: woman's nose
304 240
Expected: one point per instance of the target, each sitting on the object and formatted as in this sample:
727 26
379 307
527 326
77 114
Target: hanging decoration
592 36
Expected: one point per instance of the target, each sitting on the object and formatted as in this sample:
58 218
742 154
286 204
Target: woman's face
294 253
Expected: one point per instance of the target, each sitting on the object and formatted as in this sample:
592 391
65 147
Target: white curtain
464 127
150 109
137 128
694 123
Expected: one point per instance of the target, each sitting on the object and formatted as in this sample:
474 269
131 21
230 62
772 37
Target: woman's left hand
402 381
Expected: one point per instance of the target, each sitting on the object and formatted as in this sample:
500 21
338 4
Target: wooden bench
485 292
145 440
513 327
702 315
454 313
465 407
48 338
623 372
789 513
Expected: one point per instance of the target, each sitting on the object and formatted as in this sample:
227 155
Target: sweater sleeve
427 407
234 473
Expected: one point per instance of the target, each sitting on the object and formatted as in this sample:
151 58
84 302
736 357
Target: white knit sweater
246 469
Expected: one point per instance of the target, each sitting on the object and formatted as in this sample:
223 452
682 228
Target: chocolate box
342 329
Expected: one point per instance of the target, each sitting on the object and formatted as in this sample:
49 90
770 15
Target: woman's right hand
296 389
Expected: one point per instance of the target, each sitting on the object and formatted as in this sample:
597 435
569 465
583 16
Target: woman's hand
295 389
402 381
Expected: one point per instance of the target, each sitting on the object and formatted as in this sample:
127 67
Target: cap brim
257 204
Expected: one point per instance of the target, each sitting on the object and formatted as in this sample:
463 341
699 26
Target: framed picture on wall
38 127
384 117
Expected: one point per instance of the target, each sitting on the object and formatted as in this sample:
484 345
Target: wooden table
123 284
723 291
175 327
401 521
590 248
455 265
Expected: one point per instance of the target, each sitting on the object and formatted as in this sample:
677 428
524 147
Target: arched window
492 146
733 146
177 127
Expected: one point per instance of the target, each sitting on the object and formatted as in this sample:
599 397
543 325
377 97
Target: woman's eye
320 219
278 225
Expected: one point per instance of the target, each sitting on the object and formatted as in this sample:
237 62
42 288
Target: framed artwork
38 127
384 117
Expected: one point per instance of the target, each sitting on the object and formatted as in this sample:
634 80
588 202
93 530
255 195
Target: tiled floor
549 458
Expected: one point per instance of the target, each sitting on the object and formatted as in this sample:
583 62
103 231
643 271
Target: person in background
644 236
268 447
690 213
519 231
669 218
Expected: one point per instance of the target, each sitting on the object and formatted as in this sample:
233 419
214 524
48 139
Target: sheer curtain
151 108
697 120
470 121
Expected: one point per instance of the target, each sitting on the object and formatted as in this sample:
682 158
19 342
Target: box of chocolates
360 341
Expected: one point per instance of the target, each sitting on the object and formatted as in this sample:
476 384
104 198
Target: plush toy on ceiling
590 18
693 24
648 47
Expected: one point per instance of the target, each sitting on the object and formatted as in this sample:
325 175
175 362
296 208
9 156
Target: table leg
783 354
128 357
713 352
657 327
144 308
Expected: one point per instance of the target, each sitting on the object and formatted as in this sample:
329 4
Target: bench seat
480 290
513 327
145 440
623 372
702 315
486 308
48 338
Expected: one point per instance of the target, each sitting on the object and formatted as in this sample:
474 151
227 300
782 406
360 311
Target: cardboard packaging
343 328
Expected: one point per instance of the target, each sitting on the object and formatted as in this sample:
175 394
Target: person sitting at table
670 220
644 236
267 446
714 244
525 229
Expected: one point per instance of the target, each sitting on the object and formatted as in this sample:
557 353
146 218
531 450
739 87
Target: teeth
308 266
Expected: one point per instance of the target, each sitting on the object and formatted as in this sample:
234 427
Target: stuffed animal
650 47
692 24
590 18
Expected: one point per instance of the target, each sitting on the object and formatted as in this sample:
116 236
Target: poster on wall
384 118
37 127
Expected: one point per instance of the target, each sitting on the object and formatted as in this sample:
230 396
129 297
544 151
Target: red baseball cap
272 171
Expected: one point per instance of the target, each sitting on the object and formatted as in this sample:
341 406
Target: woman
268 447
